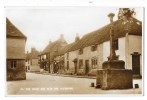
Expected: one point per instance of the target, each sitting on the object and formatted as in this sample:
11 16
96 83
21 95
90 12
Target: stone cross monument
112 45
113 74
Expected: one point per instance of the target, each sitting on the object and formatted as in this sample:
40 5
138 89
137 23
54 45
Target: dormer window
94 48
80 51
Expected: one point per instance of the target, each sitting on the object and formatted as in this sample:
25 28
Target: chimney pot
32 49
77 38
111 15
61 36
50 42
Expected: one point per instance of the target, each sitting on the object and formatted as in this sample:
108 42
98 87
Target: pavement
46 84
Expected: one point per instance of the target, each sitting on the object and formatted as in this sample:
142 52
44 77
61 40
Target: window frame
80 51
93 47
80 63
13 64
94 63
67 65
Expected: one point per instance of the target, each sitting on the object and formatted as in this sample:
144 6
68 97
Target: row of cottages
31 63
46 57
15 61
86 55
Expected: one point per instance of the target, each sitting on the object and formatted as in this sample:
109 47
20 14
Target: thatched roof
101 35
65 49
32 55
13 31
54 46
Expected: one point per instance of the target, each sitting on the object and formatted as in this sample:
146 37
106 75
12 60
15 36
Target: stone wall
114 78
18 73
34 66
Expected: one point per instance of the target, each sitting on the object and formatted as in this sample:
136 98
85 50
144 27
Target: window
80 63
28 67
94 48
31 62
13 64
94 62
116 44
80 51
67 65
46 56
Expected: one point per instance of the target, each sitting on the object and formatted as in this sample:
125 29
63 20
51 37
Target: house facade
129 50
47 57
15 61
88 54
31 63
84 61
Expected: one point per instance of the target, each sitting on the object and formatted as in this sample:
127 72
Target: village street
46 84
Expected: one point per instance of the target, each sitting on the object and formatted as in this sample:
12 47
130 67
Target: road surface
39 84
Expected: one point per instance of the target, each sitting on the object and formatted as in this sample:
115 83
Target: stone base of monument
114 79
114 64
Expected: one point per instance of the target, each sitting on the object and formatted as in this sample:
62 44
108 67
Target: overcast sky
42 24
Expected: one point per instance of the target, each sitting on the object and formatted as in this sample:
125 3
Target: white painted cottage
88 53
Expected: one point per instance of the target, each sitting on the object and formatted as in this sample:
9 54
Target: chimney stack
32 49
77 38
61 36
50 42
111 15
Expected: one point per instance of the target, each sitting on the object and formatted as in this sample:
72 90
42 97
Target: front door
75 64
86 66
136 63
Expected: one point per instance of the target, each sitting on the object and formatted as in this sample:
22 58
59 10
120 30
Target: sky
44 24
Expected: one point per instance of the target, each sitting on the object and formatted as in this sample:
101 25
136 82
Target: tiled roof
12 31
101 35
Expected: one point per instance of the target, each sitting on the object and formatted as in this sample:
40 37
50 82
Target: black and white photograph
67 50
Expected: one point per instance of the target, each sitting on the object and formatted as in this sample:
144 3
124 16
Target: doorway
86 66
136 63
75 64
